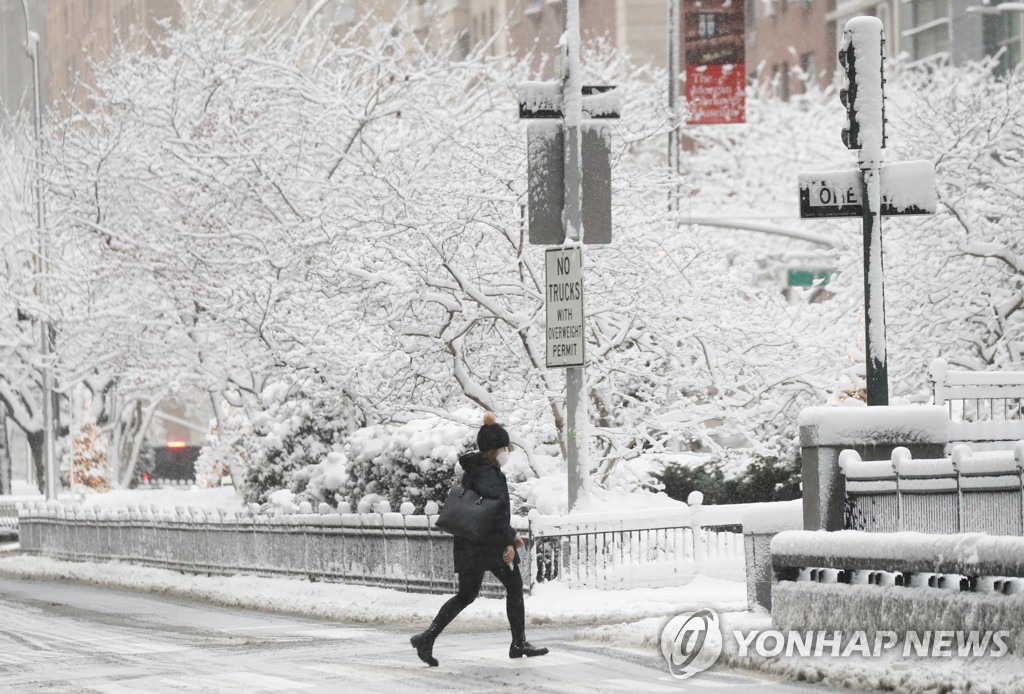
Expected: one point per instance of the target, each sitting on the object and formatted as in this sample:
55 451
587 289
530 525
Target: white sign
907 187
563 278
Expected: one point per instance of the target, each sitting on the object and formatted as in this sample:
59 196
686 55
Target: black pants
469 588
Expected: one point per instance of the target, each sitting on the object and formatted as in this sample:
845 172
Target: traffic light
862 55
848 93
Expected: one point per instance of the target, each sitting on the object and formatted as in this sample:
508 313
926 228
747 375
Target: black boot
424 643
520 647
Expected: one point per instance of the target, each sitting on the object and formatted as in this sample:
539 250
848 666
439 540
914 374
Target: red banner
715 48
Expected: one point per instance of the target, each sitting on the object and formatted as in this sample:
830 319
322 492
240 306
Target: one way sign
907 187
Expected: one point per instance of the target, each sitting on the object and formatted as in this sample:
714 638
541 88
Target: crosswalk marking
340 633
115 688
247 682
499 656
640 686
376 671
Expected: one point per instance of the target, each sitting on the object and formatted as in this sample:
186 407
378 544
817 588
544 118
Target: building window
707 25
534 6
930 35
1002 32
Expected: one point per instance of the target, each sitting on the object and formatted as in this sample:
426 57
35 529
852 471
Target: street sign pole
863 95
572 219
863 43
875 356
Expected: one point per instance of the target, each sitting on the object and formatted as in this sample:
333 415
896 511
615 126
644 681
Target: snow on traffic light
862 92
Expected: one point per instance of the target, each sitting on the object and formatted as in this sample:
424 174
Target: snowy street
66 637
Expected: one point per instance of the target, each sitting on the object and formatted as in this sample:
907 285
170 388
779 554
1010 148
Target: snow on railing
969 491
402 550
391 550
986 408
653 548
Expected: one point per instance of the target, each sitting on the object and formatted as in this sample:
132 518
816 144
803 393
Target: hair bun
490 418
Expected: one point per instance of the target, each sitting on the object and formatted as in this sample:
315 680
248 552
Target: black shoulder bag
468 515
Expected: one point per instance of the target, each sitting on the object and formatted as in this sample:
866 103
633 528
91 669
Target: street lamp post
673 100
49 463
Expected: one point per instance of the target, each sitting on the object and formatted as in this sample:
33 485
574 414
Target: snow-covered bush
291 434
415 462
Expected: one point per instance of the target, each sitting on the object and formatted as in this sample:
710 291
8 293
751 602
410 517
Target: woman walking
497 554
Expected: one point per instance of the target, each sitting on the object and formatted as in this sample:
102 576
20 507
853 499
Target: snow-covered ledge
871 431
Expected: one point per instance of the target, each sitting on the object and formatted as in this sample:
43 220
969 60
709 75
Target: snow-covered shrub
740 477
290 435
320 483
415 462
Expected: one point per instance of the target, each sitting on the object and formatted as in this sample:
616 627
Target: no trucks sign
563 278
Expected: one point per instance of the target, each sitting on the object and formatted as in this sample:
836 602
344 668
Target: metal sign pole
875 348
572 219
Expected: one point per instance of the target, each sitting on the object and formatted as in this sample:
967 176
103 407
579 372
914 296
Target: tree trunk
5 454
35 444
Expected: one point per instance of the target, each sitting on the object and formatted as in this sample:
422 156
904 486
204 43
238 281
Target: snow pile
903 424
774 517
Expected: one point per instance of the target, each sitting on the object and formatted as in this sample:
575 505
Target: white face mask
502 458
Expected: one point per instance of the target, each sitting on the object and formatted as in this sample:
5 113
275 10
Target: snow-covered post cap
848 459
1018 454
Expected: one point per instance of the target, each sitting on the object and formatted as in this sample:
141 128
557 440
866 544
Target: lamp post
673 100
49 463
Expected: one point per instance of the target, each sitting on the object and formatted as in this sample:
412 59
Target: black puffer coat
488 481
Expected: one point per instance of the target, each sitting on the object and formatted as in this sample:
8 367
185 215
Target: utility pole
572 220
49 457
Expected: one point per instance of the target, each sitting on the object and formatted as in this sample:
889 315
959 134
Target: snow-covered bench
985 407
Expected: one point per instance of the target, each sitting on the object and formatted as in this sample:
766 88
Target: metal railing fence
661 547
386 550
639 549
966 492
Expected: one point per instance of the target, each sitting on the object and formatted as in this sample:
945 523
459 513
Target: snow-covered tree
223 451
86 462
251 204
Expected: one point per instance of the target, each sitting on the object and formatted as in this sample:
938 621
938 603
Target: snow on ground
626 619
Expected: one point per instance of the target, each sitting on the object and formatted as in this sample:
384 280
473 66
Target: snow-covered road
67 637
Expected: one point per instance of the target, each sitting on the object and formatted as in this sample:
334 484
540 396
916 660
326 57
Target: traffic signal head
848 93
862 92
